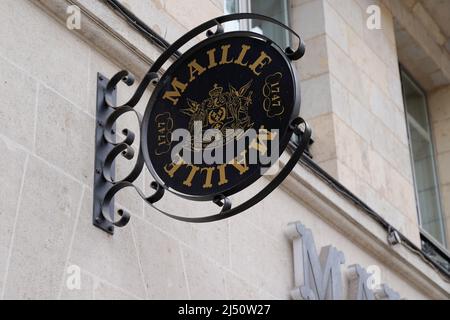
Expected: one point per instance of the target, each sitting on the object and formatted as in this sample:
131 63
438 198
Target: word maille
228 83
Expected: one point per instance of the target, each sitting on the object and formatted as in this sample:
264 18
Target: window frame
246 6
442 246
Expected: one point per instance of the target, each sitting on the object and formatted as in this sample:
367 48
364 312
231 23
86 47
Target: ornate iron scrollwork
108 148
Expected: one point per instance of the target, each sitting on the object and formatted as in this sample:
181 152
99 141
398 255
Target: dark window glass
277 9
423 162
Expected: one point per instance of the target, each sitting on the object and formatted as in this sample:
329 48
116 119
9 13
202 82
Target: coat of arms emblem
221 111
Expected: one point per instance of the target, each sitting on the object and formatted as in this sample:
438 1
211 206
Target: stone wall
47 126
352 97
421 46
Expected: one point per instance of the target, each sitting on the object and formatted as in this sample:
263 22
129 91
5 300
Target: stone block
269 269
358 50
443 162
324 147
442 136
105 291
380 136
308 19
206 279
380 106
341 66
438 104
432 28
400 129
316 97
111 258
340 100
351 13
170 22
17 105
85 292
212 239
62 56
12 166
330 166
161 262
400 193
65 136
377 168
315 61
347 177
335 26
361 118
382 41
353 150
239 289
45 224
183 12
445 200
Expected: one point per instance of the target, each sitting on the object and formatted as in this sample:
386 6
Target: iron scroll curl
124 147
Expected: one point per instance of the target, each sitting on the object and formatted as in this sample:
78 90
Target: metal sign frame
146 123
108 148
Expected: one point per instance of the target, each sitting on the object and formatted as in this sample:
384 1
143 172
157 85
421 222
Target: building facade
375 83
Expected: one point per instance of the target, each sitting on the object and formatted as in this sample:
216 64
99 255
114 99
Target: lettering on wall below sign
318 276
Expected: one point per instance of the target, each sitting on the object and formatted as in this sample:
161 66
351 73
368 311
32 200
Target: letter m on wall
316 277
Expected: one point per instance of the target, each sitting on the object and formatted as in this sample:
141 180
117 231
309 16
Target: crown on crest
216 91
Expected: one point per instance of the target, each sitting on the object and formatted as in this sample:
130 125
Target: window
423 162
277 9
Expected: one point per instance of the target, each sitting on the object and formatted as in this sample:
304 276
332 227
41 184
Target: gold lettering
262 60
260 144
194 170
262 148
225 55
275 87
208 178
173 95
212 58
276 102
241 166
239 60
222 179
194 68
173 167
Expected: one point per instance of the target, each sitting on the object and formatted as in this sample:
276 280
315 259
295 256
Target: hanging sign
219 116
218 119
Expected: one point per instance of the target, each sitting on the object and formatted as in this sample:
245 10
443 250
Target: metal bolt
100 78
99 123
98 171
393 237
111 229
113 131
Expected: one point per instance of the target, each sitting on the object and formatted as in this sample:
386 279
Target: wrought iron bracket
102 149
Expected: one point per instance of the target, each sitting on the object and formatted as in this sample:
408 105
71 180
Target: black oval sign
237 80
